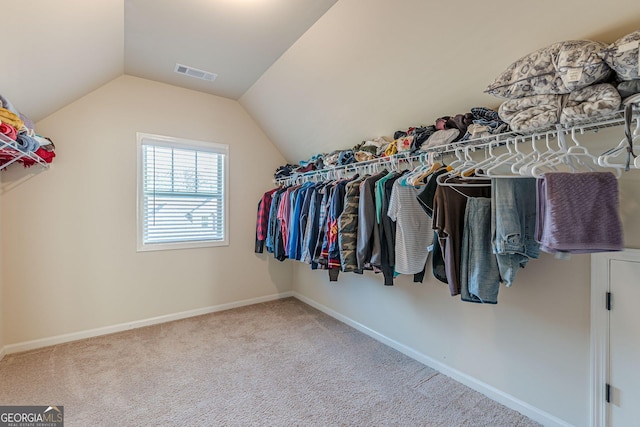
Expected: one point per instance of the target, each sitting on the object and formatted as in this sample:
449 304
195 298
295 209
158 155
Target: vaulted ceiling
59 50
317 75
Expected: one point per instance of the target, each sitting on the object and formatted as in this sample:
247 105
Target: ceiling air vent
194 72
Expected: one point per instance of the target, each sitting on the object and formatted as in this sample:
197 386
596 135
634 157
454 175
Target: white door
624 344
615 339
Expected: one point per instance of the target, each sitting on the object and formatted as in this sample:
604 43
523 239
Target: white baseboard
499 396
3 352
75 336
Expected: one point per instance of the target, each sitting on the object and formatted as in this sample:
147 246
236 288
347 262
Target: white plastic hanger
483 167
574 159
525 170
479 167
466 164
502 168
534 154
457 168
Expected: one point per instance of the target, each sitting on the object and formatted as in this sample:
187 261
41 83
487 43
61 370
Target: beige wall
370 67
1 292
69 233
533 345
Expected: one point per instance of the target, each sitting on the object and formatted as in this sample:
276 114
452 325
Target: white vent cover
194 72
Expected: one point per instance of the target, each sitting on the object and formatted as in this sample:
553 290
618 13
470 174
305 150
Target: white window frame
180 143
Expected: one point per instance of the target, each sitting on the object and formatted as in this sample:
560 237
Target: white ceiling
59 50
235 39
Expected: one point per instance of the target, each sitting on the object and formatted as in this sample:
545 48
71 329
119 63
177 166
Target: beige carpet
280 363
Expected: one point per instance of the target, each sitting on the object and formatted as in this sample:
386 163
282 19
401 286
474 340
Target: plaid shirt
262 220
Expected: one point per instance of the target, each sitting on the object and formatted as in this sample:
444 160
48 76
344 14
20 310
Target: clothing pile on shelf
21 141
478 123
568 83
623 58
479 231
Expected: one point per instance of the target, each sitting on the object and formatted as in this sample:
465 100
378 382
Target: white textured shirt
414 234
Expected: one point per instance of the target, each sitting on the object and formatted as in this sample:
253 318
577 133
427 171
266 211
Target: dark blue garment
311 240
336 208
294 222
305 217
346 157
273 221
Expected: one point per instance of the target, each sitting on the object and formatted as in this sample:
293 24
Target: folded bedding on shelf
531 112
541 111
553 70
622 56
592 101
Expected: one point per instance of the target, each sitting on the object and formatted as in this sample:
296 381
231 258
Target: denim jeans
513 224
479 272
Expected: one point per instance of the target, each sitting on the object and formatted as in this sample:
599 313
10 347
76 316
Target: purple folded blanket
578 213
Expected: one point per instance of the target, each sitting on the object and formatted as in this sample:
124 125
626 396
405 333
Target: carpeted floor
280 363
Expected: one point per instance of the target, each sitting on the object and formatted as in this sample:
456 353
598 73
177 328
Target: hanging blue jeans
513 224
479 273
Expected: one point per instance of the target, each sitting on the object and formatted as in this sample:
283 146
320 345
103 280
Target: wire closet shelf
495 140
11 153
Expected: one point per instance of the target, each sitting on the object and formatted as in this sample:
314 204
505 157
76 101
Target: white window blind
182 193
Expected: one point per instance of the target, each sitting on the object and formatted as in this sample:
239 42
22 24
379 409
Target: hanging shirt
310 238
322 226
449 204
414 232
387 229
348 227
368 241
262 220
273 220
425 197
332 251
296 215
304 218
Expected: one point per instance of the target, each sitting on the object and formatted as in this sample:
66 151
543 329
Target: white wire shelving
592 125
11 153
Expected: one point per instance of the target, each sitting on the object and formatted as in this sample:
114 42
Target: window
182 193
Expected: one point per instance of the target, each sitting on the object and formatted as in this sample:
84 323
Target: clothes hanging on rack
482 230
386 226
479 272
348 227
578 213
449 206
414 230
368 237
262 221
513 223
